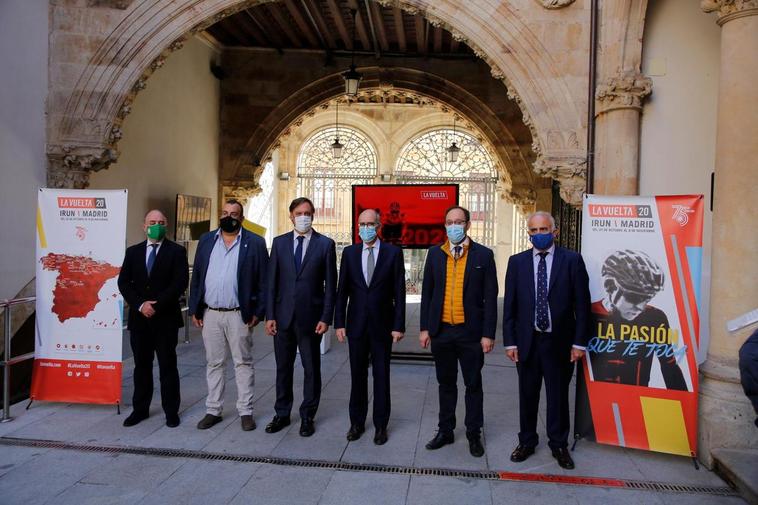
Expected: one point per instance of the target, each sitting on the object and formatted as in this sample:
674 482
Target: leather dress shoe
172 420
441 439
247 422
306 427
564 458
355 432
135 418
208 421
521 452
277 423
380 436
475 447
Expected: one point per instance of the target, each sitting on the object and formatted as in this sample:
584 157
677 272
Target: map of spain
78 283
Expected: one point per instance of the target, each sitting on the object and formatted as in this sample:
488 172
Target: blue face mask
542 241
367 233
456 233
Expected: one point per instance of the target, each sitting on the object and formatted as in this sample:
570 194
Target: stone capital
730 9
70 166
570 172
242 189
625 90
523 198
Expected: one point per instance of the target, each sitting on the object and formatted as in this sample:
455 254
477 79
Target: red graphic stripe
561 479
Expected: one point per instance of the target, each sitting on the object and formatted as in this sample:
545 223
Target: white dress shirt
364 257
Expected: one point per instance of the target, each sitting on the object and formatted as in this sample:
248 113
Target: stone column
726 417
618 105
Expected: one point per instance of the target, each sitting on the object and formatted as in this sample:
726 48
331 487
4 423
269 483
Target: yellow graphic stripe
41 230
664 423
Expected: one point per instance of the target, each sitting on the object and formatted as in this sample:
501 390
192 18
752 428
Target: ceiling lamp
336 146
352 76
453 150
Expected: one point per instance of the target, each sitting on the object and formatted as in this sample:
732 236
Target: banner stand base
576 439
30 403
694 461
118 408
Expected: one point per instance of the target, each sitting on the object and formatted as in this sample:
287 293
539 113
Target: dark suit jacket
378 307
568 298
166 284
251 275
307 296
479 291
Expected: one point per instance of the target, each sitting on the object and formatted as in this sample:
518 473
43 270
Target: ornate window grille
260 207
328 180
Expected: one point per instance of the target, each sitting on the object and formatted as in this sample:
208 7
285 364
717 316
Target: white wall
678 137
23 88
170 140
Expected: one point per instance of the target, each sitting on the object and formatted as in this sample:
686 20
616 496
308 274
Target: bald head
368 216
155 216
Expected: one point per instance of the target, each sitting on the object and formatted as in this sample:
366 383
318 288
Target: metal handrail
7 360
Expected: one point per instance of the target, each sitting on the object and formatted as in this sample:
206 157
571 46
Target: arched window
328 180
424 160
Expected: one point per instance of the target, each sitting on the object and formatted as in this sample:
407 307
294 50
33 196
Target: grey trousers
222 330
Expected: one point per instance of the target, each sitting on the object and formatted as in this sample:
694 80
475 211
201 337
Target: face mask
156 231
542 241
456 233
303 224
229 224
367 233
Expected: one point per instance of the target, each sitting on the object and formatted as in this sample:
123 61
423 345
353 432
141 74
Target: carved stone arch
85 114
518 175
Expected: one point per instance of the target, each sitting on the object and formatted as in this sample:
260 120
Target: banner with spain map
638 385
81 235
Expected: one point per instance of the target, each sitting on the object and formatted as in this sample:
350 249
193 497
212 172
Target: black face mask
229 224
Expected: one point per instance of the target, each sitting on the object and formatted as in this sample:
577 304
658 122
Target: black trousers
160 342
286 343
452 345
376 349
549 361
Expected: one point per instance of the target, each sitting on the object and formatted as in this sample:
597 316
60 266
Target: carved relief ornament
570 173
624 91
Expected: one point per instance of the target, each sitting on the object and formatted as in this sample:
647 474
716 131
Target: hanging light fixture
352 76
336 146
453 150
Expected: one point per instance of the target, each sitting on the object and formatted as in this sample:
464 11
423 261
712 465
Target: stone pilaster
618 104
726 417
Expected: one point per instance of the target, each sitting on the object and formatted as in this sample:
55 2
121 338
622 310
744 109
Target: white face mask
303 224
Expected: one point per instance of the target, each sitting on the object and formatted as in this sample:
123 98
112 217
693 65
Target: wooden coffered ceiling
328 25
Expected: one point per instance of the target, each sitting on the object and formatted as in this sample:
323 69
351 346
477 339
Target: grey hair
544 214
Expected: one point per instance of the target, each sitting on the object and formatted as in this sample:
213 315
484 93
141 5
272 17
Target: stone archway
94 79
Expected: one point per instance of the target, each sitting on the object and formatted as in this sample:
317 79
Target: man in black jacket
152 279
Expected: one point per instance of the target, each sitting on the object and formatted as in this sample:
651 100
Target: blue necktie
299 253
543 320
151 258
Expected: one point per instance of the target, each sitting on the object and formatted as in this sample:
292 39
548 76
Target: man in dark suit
227 299
152 279
459 317
372 281
545 331
302 284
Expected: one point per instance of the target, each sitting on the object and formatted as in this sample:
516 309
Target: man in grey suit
301 289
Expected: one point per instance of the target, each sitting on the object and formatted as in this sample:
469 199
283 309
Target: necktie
151 258
543 320
299 253
457 250
370 265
